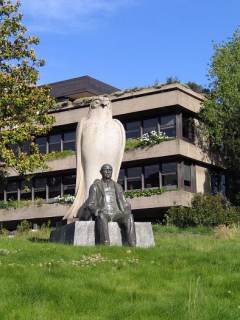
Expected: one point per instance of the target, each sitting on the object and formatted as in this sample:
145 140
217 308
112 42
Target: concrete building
178 165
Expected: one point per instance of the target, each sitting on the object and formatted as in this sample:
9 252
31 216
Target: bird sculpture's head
100 102
100 106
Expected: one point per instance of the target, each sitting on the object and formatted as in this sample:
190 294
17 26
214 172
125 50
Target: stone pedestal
82 233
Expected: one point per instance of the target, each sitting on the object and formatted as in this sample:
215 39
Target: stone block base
82 233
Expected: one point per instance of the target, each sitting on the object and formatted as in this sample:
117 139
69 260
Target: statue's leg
127 226
101 229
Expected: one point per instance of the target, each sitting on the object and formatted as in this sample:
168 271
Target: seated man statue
106 202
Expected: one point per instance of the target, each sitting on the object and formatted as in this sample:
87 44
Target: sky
129 43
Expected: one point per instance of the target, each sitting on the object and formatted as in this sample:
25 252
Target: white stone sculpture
99 140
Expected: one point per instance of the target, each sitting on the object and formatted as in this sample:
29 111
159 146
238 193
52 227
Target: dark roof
75 86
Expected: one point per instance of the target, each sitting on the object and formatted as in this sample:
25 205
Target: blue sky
129 43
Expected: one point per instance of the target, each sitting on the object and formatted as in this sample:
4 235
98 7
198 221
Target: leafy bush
152 138
3 231
59 154
207 210
226 232
147 139
66 199
144 193
132 144
15 204
24 226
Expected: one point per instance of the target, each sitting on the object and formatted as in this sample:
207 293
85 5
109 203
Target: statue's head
100 102
106 171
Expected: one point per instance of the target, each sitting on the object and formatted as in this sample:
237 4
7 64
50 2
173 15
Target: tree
23 105
197 87
220 113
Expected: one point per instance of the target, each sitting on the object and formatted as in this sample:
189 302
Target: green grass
190 274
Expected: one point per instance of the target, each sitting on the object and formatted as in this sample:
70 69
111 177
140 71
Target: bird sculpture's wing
117 166
80 180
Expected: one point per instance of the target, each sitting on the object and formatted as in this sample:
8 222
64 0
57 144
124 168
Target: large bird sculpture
100 139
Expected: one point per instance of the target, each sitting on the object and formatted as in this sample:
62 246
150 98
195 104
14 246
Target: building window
188 127
2 187
57 142
168 125
150 125
25 147
25 190
54 187
42 144
54 143
12 190
151 176
69 140
134 178
218 183
69 184
133 129
169 175
187 177
40 188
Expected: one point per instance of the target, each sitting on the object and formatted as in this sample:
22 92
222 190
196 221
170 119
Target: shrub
3 231
207 210
132 144
144 193
152 138
24 226
148 139
59 154
225 232
66 199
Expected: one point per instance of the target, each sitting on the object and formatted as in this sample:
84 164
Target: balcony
48 211
166 149
164 200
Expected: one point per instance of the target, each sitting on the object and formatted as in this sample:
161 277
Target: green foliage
132 144
15 204
3 231
23 105
144 193
151 138
207 210
59 155
24 226
129 90
197 87
65 199
148 139
39 201
171 79
220 113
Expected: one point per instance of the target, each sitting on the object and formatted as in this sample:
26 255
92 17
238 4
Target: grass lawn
191 274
